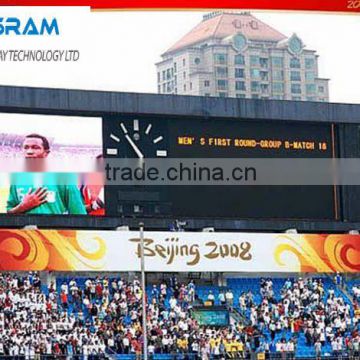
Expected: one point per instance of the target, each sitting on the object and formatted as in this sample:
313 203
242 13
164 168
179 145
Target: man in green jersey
27 197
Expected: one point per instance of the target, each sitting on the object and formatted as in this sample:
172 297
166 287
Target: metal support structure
143 286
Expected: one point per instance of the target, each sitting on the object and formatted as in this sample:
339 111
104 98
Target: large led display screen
74 141
42 154
140 137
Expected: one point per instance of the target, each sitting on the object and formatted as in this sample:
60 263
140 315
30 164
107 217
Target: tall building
232 54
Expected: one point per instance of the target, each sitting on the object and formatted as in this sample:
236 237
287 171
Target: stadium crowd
33 324
304 306
103 315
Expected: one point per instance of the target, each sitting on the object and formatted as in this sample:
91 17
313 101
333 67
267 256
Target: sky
118 50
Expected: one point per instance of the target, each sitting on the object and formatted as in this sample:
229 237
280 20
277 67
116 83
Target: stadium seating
239 286
99 315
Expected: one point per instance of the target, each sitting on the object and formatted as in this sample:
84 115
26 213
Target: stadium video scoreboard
158 137
194 138
197 138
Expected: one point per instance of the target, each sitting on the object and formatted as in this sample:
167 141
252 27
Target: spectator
338 279
221 298
318 349
211 298
229 296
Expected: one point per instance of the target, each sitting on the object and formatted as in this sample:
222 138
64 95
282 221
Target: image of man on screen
27 198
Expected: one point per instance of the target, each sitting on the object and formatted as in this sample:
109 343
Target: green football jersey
62 198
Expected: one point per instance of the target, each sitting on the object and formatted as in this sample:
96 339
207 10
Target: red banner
307 5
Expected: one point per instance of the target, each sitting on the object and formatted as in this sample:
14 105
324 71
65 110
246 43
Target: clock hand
136 149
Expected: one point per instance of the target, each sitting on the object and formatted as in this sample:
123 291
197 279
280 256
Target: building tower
234 54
